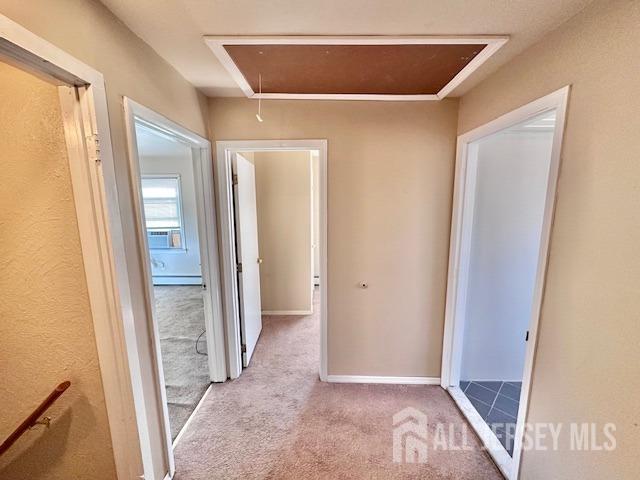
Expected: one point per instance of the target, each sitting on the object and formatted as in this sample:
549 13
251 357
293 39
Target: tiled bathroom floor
497 403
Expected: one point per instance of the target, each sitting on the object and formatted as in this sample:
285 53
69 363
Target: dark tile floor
497 403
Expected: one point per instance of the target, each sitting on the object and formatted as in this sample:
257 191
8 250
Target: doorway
171 171
274 212
91 167
171 222
272 230
47 327
505 187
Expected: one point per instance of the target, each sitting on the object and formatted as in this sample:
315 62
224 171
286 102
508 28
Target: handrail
32 419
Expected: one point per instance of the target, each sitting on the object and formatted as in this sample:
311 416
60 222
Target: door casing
459 253
224 197
203 177
87 131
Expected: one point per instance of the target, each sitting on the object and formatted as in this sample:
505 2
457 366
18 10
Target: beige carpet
278 421
180 316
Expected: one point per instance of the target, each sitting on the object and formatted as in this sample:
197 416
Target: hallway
279 421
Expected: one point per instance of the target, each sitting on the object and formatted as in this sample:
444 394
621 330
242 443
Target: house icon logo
410 436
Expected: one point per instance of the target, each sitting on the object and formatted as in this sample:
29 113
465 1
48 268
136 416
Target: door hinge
239 267
94 147
243 348
234 179
526 338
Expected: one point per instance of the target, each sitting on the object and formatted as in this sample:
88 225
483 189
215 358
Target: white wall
511 183
160 156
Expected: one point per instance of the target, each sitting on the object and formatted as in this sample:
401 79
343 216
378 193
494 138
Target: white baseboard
287 312
159 280
387 380
493 380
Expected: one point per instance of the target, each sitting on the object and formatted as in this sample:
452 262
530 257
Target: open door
246 219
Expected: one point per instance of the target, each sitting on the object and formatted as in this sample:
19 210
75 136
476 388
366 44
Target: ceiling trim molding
217 44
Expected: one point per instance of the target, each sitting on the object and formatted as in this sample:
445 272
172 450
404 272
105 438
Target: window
162 211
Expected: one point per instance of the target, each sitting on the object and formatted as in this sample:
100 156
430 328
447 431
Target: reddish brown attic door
352 69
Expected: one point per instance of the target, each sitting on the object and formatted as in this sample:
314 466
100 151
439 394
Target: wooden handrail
32 419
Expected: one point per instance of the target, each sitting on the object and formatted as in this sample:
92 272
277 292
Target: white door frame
208 243
88 139
461 223
224 151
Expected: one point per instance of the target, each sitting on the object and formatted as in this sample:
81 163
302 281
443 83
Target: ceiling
152 143
175 28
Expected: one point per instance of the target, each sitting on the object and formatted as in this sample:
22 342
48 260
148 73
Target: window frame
183 242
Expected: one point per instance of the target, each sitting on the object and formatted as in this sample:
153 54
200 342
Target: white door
244 190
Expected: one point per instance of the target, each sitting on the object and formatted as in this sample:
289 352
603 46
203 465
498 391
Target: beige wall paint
87 30
283 199
46 327
390 177
586 368
315 167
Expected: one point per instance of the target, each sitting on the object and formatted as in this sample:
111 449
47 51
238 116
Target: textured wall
45 318
283 198
586 368
390 180
87 30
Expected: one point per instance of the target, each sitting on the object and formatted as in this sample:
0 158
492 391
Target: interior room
171 221
326 239
511 170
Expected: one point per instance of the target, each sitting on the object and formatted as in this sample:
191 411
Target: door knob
259 260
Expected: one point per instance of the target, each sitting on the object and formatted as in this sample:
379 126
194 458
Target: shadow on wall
41 448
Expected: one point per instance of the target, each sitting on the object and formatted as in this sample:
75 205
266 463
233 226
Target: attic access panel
352 68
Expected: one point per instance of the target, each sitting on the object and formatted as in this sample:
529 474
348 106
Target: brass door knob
259 260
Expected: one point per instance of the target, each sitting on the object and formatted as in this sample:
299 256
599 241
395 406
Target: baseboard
495 380
387 380
163 281
287 312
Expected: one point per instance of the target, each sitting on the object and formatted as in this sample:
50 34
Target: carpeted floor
278 421
180 316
